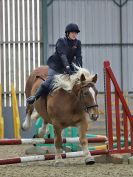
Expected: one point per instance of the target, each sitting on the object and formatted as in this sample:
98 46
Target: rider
68 51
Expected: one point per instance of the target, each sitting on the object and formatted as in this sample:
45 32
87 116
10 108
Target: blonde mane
67 82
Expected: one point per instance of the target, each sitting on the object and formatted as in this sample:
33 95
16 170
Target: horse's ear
94 79
82 78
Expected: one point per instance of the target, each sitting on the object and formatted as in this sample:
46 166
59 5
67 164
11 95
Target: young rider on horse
68 51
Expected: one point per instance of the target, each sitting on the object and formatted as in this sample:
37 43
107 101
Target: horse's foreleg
27 122
84 142
58 147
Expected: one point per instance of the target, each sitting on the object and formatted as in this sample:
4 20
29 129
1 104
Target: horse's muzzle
94 117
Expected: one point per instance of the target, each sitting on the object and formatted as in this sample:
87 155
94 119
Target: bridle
86 107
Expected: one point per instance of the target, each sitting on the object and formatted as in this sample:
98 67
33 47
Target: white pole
14 48
28 24
4 51
38 30
24 56
33 34
19 62
9 50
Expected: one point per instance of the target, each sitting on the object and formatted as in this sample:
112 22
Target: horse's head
87 94
82 84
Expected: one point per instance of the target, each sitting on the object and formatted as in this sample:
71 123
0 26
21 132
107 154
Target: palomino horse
71 102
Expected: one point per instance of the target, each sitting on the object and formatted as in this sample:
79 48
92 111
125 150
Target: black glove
31 100
68 70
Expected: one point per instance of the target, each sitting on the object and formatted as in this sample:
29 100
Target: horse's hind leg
58 147
42 130
89 160
27 122
35 115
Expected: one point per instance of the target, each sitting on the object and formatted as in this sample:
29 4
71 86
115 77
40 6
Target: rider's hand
31 100
68 70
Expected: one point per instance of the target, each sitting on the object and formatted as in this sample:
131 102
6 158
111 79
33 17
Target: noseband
86 107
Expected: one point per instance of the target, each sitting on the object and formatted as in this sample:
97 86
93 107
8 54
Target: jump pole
48 157
48 141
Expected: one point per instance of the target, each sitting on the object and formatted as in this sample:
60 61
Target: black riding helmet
72 27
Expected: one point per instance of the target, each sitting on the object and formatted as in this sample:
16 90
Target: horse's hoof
59 164
89 161
24 128
35 136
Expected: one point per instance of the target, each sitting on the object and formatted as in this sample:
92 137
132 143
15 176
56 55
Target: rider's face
73 35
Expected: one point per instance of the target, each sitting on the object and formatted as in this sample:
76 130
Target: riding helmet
72 27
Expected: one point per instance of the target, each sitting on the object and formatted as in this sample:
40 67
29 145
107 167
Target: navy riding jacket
66 52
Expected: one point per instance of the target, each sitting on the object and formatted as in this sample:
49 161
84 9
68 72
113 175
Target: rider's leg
43 88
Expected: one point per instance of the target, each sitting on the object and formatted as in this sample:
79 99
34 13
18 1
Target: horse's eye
86 93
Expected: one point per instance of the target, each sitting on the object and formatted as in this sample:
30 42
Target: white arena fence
20 45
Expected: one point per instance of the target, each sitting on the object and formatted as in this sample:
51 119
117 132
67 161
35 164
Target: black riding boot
42 89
